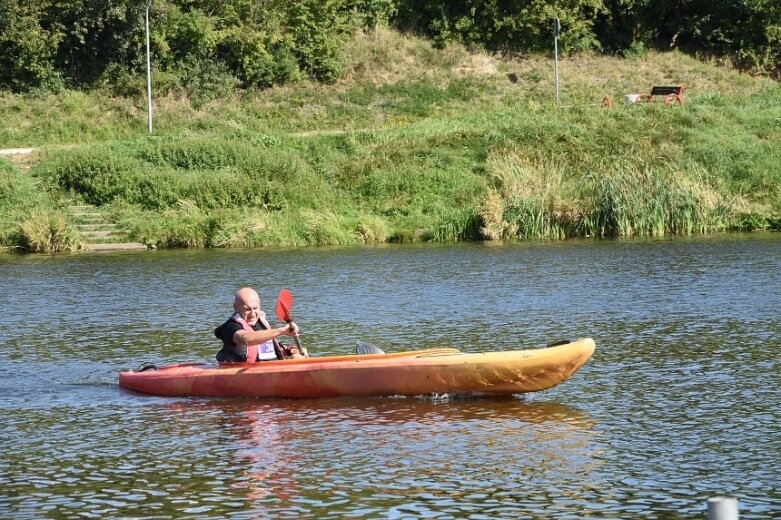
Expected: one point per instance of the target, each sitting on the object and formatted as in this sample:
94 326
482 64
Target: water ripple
679 403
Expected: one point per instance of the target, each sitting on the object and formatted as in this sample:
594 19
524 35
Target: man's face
248 308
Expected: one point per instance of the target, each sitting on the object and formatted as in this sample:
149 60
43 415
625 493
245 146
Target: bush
455 226
182 226
205 80
18 190
47 231
196 153
371 229
20 197
503 25
319 29
99 175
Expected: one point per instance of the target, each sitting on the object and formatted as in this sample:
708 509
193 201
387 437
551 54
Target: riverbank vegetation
210 48
411 142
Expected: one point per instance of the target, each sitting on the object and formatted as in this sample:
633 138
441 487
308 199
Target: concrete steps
98 232
118 246
23 158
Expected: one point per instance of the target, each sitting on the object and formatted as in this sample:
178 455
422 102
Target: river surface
681 401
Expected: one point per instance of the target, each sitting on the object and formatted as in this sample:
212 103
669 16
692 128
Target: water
679 403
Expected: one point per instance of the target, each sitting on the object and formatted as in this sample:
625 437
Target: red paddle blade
283 313
284 302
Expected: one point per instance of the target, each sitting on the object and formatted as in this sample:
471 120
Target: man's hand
292 352
292 329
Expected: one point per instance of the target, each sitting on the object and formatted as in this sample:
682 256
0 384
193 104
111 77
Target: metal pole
556 29
722 508
148 72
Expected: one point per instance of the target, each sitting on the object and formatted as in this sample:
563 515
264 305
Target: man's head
247 304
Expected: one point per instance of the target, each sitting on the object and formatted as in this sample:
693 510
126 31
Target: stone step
107 226
93 222
98 231
117 246
100 234
17 151
90 220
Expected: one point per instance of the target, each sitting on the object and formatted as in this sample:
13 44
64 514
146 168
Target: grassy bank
414 144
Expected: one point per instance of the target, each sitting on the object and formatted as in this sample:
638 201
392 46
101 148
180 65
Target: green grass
48 231
30 219
417 143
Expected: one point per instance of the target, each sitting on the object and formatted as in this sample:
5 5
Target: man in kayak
247 336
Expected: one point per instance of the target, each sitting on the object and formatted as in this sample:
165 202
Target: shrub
17 190
456 225
20 197
47 231
319 29
371 229
99 175
321 229
182 226
196 153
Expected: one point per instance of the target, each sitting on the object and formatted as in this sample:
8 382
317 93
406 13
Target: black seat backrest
666 91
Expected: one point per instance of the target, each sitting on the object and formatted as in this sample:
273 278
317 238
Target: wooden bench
672 94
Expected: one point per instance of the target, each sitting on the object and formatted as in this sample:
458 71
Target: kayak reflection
282 450
265 453
388 410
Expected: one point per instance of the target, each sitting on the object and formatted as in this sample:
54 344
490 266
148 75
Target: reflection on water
364 455
680 402
329 457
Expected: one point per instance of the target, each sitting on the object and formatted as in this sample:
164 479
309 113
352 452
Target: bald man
247 336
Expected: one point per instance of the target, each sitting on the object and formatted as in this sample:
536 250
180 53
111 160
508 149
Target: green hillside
412 143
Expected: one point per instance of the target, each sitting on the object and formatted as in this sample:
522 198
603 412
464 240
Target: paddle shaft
298 342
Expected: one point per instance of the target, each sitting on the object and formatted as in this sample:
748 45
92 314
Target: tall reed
47 231
456 225
647 203
526 199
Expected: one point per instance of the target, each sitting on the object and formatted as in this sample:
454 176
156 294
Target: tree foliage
203 46
748 32
496 24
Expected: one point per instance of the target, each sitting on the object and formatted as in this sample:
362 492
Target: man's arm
256 337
